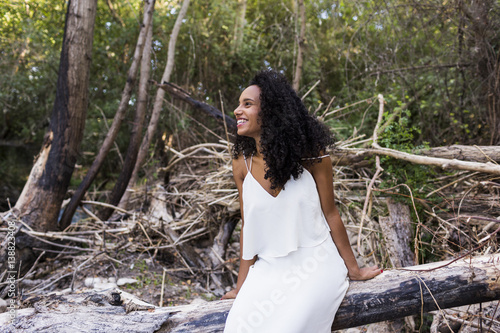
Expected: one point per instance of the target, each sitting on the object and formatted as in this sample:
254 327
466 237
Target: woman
295 254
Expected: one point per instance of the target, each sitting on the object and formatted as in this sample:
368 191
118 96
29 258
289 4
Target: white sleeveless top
276 226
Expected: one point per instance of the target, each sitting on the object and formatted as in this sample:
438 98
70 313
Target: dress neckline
262 187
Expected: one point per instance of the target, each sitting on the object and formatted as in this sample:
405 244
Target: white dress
299 279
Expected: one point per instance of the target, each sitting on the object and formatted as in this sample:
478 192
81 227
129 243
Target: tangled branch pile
187 230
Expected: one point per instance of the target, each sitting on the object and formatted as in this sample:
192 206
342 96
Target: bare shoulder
321 168
239 168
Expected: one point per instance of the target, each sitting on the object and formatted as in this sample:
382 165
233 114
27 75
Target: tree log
482 154
465 153
393 294
444 163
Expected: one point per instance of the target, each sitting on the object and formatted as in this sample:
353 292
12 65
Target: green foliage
425 54
400 135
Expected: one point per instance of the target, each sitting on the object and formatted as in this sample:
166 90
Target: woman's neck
257 146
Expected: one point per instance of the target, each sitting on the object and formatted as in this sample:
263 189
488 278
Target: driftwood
393 294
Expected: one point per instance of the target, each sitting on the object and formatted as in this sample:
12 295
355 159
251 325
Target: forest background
435 62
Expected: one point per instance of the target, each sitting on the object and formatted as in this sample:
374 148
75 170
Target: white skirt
297 293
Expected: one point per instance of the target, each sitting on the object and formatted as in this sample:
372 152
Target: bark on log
397 234
444 163
482 154
465 153
393 294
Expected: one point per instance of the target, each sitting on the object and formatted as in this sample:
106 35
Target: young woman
295 254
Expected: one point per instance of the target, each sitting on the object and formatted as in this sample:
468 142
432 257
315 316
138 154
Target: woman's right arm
239 173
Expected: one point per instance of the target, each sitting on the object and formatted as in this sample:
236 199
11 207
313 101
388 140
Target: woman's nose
237 111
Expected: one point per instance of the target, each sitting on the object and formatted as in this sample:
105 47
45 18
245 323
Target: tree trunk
396 229
155 115
136 134
115 126
239 26
393 294
301 46
42 196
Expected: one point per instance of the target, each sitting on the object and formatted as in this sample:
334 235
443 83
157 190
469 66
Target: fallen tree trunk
361 153
465 153
481 154
393 294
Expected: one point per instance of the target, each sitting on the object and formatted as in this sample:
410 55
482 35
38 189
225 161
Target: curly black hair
290 136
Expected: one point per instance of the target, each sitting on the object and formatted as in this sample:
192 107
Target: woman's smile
248 113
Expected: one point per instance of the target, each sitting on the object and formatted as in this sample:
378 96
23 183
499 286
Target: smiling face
247 113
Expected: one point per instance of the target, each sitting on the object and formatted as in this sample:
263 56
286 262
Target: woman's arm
323 175
239 173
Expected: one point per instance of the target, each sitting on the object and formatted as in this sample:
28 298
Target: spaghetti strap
314 158
249 168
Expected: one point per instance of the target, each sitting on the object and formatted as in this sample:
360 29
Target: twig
33 291
58 245
89 213
307 93
162 287
29 272
375 176
224 120
327 108
97 203
368 100
485 155
435 302
145 233
57 235
367 200
80 266
452 183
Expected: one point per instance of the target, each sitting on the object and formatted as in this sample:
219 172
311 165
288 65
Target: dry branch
444 163
179 93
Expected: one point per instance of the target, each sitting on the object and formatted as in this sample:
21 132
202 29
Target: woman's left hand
364 273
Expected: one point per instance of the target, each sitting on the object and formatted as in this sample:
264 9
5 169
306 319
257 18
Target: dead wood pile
189 227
